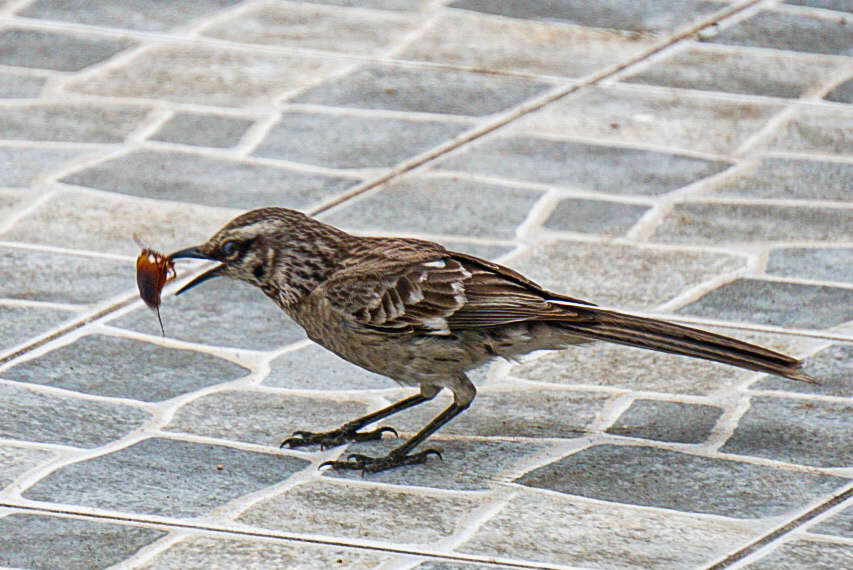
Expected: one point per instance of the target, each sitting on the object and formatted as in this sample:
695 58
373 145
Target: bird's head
283 251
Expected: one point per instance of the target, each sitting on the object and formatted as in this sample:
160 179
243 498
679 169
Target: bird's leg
463 396
349 431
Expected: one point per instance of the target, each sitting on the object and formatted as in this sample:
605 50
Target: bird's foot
335 437
369 464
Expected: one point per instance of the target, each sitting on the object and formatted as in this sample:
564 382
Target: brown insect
153 271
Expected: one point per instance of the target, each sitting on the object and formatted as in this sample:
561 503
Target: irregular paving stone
830 264
641 16
484 251
124 368
35 416
38 541
20 166
346 141
795 431
313 27
678 119
422 90
601 535
789 31
595 216
315 368
839 524
15 461
832 367
13 86
438 205
203 130
209 181
775 303
19 324
667 421
74 122
620 275
842 94
804 554
261 417
656 477
451 566
108 223
790 178
378 513
60 278
733 223
57 51
381 4
222 313
589 166
843 5
206 75
815 130
757 73
146 15
212 551
170 478
504 44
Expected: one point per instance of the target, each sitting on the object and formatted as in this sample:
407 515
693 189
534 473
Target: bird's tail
655 334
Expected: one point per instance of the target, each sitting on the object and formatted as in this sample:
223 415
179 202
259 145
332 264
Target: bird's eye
229 249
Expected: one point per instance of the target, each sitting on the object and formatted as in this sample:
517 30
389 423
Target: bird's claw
334 438
367 464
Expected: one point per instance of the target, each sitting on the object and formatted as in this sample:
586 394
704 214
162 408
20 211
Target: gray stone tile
774 303
220 312
485 251
631 114
640 16
108 223
544 528
465 465
667 421
619 275
203 130
376 513
422 90
170 478
451 566
70 122
19 324
804 554
261 417
346 141
795 431
595 217
13 86
602 168
503 44
146 15
35 416
832 367
757 73
19 166
218 76
38 541
839 524
15 461
57 51
177 176
380 4
842 94
668 479
210 552
315 368
315 27
829 264
815 130
707 223
438 206
788 178
59 278
124 368
842 5
790 31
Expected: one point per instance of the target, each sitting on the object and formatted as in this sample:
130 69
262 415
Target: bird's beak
195 253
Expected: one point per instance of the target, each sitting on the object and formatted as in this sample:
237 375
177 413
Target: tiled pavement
692 157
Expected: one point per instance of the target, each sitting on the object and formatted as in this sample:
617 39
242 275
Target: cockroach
153 271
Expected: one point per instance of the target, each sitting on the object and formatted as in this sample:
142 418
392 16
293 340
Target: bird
423 315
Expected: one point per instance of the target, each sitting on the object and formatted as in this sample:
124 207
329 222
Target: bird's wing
439 295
